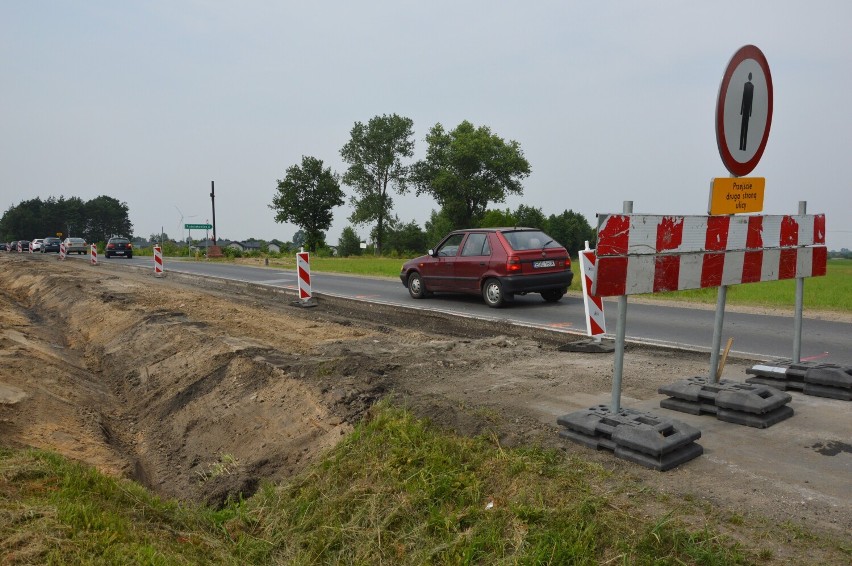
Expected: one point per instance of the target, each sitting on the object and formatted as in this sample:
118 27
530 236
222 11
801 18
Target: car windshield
530 240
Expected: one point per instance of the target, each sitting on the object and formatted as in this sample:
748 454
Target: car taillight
568 263
513 264
110 246
129 246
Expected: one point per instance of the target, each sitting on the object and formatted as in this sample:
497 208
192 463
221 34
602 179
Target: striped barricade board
639 253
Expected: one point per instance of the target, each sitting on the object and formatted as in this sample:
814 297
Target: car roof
500 229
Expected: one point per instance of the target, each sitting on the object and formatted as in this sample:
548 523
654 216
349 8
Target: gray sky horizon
149 102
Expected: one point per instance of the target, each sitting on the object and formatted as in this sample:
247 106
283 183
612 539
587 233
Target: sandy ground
202 391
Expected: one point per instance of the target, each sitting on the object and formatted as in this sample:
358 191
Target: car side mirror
432 253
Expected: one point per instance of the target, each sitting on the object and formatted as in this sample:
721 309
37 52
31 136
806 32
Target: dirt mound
201 390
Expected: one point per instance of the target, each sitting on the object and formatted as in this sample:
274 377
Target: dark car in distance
50 244
496 263
119 247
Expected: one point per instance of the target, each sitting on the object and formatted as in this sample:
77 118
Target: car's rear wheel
415 286
553 295
493 294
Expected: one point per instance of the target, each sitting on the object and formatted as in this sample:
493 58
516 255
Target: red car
497 263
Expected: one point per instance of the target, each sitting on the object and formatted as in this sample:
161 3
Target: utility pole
213 204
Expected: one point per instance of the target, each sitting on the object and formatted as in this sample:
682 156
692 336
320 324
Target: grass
395 491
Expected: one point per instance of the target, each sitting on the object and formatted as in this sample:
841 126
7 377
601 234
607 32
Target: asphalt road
757 336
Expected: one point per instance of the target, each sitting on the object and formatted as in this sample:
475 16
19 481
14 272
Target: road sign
744 110
734 195
197 226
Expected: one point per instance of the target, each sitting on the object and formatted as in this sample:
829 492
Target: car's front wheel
493 294
553 295
415 286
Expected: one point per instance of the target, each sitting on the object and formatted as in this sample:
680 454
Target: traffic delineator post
158 261
593 305
303 275
62 250
93 254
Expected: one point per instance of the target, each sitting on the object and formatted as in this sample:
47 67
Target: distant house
251 246
236 246
273 248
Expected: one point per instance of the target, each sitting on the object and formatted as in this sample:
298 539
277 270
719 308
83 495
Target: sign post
743 120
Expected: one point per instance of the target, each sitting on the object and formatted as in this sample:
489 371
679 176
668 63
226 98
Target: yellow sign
735 195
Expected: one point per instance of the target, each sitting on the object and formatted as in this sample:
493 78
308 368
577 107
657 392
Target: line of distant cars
47 245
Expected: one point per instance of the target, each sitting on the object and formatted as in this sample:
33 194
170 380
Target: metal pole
800 299
620 327
213 204
721 297
718 323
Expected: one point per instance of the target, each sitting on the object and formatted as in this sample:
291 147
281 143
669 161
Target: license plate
544 263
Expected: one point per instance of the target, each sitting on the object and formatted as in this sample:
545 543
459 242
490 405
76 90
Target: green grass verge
395 491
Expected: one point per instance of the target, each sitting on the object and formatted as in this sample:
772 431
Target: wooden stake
724 358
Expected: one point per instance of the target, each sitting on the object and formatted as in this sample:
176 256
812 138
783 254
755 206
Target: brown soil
202 390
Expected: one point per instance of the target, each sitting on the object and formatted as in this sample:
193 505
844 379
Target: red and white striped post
593 305
158 261
93 254
19 247
62 250
303 267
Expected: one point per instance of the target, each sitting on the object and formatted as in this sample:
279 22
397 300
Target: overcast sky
149 102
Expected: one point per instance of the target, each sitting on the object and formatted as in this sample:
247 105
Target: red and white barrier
93 254
303 267
19 247
593 305
62 250
650 254
158 261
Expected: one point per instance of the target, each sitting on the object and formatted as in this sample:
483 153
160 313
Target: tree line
465 170
95 220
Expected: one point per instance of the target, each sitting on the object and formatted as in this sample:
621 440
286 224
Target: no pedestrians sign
744 110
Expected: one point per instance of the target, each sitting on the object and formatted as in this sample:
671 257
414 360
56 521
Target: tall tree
496 218
571 229
106 217
374 153
349 243
467 168
305 198
406 238
95 220
530 217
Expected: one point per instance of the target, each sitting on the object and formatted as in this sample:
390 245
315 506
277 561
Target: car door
472 262
437 271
